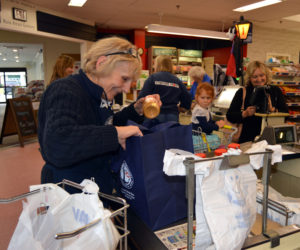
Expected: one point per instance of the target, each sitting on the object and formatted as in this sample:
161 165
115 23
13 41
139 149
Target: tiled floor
19 168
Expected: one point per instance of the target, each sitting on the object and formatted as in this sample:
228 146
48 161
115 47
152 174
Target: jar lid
202 155
220 151
234 145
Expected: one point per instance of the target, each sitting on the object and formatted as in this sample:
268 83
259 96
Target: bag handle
270 106
155 128
244 97
164 126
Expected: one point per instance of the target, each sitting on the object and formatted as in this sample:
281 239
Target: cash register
283 134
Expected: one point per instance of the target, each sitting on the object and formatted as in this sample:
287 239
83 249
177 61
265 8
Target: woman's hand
138 106
125 132
249 111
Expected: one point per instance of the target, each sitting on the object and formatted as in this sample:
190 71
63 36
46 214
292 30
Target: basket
204 143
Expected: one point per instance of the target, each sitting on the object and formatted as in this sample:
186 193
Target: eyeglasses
132 51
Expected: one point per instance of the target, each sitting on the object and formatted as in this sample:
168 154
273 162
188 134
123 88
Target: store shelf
182 59
291 74
155 51
295 116
287 78
279 64
293 104
286 83
292 93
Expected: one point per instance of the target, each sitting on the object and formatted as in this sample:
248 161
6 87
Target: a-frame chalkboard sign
19 119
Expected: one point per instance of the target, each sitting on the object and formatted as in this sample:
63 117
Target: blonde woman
170 88
63 67
257 75
78 132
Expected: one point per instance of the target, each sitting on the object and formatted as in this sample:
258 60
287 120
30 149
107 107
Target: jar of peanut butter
151 107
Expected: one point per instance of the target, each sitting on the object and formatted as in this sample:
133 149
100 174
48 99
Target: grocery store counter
141 237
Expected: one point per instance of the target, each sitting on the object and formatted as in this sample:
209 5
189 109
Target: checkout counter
285 176
285 180
141 237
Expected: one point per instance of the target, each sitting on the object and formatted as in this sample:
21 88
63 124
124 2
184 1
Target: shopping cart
118 215
204 143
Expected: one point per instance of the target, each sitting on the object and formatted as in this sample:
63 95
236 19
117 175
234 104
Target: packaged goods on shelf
287 78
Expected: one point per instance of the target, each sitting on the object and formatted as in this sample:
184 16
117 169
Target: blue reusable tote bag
156 198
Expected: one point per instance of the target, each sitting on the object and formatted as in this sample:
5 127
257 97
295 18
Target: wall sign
19 14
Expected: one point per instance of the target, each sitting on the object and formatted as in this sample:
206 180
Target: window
10 80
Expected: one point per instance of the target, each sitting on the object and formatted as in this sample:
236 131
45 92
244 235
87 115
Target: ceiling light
4 59
257 5
17 61
15 50
180 31
77 3
295 18
16 57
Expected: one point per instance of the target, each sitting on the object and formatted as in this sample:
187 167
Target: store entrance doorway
10 80
19 64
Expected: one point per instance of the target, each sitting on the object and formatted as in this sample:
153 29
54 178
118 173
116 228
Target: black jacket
252 124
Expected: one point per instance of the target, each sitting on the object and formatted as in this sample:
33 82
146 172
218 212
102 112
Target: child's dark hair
207 87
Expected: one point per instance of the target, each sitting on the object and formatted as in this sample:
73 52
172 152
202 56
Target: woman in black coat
257 75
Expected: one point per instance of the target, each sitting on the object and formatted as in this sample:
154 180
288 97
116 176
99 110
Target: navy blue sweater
171 90
74 141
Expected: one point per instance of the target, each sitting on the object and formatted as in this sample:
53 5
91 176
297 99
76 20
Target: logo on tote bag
126 176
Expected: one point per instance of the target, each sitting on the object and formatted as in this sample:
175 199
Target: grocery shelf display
287 78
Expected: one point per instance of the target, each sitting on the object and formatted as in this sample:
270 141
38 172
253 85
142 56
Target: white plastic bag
54 211
225 201
79 210
278 215
35 229
229 205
